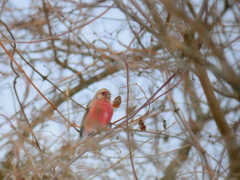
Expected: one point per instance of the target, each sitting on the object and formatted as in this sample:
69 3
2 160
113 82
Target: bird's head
103 94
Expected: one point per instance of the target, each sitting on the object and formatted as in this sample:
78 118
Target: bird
98 113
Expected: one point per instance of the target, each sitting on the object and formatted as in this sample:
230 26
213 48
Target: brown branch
226 132
183 154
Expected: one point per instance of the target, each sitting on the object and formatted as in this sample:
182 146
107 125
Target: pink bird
98 113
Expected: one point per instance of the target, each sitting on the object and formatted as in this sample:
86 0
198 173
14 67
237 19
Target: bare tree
175 64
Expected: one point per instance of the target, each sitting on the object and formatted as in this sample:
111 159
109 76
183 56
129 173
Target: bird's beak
109 94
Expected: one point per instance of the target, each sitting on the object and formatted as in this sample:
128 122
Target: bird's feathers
98 113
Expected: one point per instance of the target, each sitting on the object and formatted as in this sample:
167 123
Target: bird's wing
84 117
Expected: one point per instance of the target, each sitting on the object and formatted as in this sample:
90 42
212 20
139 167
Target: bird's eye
103 93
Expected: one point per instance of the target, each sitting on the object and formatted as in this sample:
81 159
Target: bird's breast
102 112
